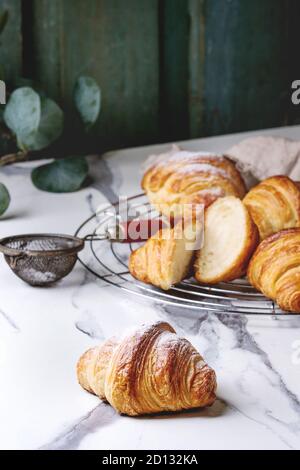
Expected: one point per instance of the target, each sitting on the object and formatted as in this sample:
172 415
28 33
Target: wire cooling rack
108 261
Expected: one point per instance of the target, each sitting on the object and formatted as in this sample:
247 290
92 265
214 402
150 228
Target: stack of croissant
255 233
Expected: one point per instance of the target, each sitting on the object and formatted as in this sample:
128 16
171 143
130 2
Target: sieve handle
130 231
133 231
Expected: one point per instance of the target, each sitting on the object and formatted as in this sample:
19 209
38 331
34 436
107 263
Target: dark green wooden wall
11 40
168 69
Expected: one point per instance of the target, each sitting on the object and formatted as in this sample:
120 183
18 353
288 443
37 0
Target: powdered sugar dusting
215 191
202 167
184 155
176 155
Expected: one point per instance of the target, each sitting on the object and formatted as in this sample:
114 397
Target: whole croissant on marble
181 177
274 205
274 269
148 371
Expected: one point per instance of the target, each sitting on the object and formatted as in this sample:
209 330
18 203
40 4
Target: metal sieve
41 259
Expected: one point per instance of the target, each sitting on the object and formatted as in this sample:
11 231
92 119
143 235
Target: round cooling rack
108 261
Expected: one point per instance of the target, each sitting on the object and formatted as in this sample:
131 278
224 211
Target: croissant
230 238
166 258
274 205
182 177
275 269
148 371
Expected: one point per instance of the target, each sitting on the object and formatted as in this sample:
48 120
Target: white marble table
44 330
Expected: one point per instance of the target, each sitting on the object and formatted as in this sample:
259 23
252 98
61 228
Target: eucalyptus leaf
3 20
4 198
87 97
50 126
23 113
61 176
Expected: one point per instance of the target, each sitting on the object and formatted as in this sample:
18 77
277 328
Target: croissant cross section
230 238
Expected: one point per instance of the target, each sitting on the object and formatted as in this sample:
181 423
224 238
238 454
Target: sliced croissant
182 177
230 237
148 371
275 269
274 205
166 258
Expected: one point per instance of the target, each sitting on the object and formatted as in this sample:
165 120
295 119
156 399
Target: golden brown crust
153 370
82 366
164 260
275 269
138 264
210 268
191 178
92 366
274 205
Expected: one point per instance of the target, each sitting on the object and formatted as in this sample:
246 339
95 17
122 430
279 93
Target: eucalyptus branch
13 158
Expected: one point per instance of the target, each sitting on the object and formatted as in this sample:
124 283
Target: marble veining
256 363
9 320
70 439
44 331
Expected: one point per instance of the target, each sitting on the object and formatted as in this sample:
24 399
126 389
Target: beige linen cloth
264 156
